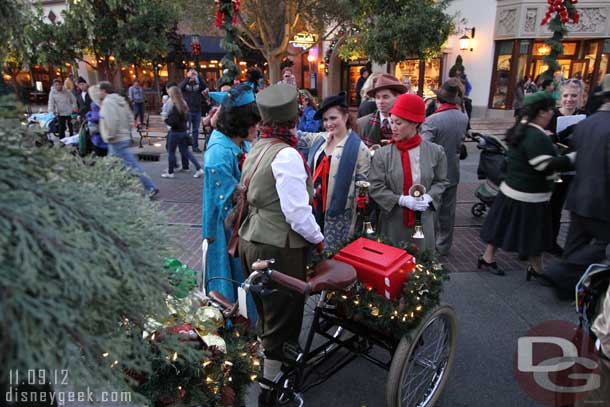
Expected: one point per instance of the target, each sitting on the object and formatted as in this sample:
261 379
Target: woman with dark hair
520 218
222 163
408 160
308 109
178 136
338 159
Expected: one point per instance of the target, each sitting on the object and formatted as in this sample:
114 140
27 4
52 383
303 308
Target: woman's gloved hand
407 201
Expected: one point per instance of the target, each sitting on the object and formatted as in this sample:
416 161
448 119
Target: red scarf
446 106
286 136
404 146
322 171
280 133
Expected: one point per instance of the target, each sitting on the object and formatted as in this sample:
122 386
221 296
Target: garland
420 294
223 359
565 11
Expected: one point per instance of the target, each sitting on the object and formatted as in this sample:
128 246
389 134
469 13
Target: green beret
536 97
278 103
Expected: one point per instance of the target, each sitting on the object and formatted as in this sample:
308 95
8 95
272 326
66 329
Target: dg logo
556 363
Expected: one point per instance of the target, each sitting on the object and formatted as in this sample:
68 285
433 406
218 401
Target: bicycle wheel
420 366
308 316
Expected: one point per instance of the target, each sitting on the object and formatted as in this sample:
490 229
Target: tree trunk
274 68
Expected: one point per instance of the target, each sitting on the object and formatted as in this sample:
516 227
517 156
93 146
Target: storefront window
432 77
524 48
411 69
603 68
501 83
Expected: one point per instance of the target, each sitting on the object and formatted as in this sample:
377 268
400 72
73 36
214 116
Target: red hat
410 107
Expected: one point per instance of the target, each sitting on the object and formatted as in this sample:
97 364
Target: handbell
419 232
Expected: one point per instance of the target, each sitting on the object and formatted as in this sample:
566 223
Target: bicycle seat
331 275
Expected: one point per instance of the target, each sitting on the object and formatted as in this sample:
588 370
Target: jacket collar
219 138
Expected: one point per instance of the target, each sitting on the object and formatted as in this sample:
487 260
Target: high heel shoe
491 267
541 278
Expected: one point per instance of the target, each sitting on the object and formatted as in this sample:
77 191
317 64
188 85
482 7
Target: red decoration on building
195 49
559 6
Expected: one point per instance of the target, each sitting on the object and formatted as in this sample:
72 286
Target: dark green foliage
81 255
401 29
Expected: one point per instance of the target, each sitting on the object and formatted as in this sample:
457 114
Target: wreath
420 294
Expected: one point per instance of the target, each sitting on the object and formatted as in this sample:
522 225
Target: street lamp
465 39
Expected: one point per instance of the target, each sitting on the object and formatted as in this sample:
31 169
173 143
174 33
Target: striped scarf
374 132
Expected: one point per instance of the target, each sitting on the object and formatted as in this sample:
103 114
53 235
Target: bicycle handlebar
263 268
292 283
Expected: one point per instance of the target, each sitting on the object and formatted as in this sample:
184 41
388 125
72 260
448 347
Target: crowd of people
298 163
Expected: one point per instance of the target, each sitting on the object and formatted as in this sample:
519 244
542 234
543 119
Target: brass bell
367 228
419 232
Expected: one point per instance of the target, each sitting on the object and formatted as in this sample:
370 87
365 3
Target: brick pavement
181 197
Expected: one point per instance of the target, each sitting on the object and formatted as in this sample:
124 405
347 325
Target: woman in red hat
407 161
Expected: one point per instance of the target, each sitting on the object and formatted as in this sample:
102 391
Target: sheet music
563 122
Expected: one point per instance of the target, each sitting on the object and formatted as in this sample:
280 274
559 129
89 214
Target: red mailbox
380 266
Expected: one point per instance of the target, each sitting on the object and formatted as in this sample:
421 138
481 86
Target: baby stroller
492 164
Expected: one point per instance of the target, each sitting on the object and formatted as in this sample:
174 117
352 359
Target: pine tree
81 265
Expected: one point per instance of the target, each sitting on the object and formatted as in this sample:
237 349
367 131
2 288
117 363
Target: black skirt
516 226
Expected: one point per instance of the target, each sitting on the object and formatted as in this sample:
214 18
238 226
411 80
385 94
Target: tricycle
418 364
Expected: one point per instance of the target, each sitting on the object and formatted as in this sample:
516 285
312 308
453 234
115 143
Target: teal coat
221 175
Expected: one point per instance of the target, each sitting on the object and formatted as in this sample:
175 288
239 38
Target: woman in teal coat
225 153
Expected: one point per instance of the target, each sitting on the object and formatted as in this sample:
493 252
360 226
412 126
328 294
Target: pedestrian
407 161
115 128
135 93
587 200
308 108
530 86
178 136
100 148
571 92
288 77
519 95
83 100
447 128
547 86
193 87
364 74
69 85
406 80
367 104
280 224
520 217
253 77
222 165
375 128
338 159
62 104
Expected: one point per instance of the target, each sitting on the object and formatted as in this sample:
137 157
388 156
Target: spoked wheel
420 366
308 316
478 209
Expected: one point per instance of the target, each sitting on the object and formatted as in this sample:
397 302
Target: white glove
427 198
407 201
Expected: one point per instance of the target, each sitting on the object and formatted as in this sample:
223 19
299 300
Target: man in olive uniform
280 223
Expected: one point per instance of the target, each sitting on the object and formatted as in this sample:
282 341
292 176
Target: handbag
240 209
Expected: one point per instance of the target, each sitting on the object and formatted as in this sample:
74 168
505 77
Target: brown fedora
387 81
451 91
